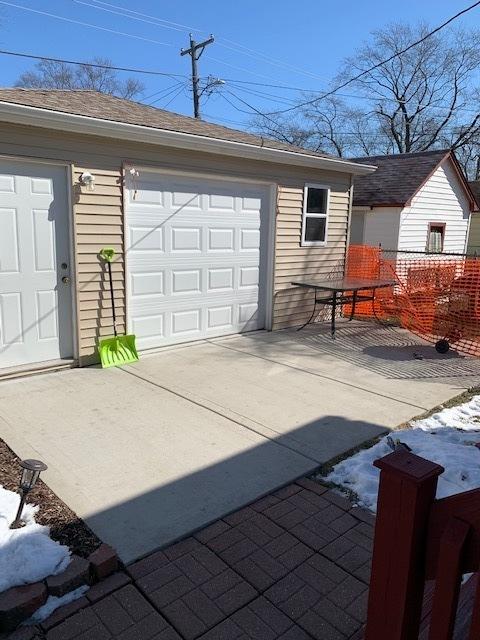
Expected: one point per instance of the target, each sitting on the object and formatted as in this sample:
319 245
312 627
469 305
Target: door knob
66 280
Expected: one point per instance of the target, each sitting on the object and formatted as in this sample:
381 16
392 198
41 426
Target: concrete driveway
150 452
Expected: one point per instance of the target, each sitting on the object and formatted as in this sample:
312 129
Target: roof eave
46 118
373 205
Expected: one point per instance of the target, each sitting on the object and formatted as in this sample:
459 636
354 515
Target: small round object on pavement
442 346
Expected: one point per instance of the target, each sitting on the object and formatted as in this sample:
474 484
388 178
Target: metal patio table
343 291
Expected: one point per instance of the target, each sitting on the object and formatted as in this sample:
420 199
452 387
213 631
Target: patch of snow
27 554
54 603
446 437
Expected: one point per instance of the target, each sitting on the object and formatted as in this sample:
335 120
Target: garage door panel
145 283
186 239
220 317
220 278
145 238
186 281
221 239
204 278
248 277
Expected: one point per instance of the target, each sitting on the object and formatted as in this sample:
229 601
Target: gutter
73 123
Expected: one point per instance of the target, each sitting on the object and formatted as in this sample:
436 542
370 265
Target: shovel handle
112 297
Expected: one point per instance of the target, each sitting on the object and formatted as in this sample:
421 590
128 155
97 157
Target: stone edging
19 603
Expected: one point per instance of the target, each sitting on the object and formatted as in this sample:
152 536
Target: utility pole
192 52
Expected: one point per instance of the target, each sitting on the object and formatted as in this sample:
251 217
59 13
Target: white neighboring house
413 202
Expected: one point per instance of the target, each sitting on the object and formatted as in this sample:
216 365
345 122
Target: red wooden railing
419 539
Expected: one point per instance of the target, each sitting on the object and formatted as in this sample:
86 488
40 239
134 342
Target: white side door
196 257
35 265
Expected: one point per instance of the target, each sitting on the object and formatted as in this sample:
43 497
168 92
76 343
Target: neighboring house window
315 215
435 238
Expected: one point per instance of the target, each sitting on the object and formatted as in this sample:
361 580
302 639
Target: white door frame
271 210
69 172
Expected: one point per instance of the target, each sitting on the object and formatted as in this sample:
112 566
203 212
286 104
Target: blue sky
298 42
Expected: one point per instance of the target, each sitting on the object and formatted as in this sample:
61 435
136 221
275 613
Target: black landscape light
31 470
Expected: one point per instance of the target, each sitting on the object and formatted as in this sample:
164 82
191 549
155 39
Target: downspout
349 220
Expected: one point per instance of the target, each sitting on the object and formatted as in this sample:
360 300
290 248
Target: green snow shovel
120 349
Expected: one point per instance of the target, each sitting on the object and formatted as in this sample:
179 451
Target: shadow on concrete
389 351
158 517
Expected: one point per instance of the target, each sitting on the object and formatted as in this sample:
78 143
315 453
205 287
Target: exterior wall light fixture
87 180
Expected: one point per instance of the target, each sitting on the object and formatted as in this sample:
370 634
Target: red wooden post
407 490
475 624
447 580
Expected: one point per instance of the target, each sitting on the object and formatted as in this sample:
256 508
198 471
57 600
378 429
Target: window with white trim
435 237
315 215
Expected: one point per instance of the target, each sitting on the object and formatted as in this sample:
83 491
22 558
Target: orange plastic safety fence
437 296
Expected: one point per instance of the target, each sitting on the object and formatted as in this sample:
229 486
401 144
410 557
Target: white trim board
46 118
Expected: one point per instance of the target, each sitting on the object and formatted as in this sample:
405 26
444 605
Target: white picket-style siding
441 199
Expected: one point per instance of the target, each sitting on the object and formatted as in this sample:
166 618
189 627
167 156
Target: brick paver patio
291 566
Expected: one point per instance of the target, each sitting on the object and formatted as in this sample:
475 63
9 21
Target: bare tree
423 99
59 75
318 127
469 157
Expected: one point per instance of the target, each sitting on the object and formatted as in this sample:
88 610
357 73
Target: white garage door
196 257
35 294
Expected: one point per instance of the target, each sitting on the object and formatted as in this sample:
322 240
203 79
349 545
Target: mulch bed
65 526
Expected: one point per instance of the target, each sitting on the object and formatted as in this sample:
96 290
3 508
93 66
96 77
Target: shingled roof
94 104
397 178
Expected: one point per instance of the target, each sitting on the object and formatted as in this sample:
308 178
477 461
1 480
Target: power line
122 13
342 95
84 24
165 23
144 17
255 111
273 97
380 64
156 93
240 48
235 81
92 64
174 97
210 116
178 75
165 93
250 106
262 94
159 22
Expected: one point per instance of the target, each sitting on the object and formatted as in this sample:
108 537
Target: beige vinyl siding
292 305
474 234
93 231
98 217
